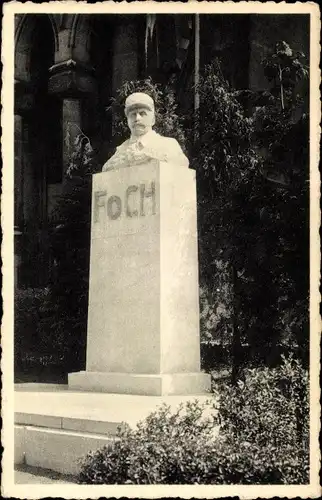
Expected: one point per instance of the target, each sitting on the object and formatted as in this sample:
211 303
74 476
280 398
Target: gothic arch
80 26
24 27
55 30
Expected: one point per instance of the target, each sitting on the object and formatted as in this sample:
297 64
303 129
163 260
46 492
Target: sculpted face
140 120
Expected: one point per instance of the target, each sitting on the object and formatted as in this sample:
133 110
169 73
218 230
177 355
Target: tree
253 212
70 243
285 68
227 166
282 134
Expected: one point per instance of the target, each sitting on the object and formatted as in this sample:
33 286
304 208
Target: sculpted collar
144 139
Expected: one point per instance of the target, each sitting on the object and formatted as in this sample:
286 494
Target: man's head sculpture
139 110
144 143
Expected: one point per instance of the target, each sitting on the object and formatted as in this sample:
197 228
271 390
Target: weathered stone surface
71 77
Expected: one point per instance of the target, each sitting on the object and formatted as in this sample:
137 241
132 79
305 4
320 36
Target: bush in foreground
265 421
263 438
163 449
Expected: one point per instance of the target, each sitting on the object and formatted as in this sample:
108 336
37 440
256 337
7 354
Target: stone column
18 170
72 124
25 189
18 193
125 55
24 199
72 81
143 323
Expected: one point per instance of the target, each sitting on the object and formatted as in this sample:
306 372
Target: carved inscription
137 201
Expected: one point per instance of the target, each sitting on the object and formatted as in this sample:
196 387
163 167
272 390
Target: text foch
137 201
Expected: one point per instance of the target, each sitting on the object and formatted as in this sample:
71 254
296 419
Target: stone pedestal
143 324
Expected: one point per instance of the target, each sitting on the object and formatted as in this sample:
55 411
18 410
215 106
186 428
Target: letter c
129 213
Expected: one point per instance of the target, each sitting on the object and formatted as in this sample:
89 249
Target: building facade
67 68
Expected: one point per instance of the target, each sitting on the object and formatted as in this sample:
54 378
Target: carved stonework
71 77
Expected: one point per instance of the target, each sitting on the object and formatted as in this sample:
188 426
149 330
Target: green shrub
251 158
165 448
263 437
265 419
27 316
39 332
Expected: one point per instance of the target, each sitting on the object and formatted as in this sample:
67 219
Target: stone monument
143 318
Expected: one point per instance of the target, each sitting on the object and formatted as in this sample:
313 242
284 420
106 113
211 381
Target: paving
25 474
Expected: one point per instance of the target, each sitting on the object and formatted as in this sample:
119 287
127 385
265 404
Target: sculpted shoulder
123 146
170 142
165 139
173 151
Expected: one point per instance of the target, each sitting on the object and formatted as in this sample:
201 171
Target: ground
24 474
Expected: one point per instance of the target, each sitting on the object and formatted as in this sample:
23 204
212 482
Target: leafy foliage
267 414
38 341
285 68
276 117
165 448
82 157
227 168
252 171
223 149
70 244
282 134
254 433
216 307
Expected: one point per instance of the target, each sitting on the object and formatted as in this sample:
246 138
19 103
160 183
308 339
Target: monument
143 318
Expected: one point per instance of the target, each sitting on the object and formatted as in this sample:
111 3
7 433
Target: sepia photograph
161 253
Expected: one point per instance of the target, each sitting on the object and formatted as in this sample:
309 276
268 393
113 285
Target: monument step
55 449
54 428
80 424
91 406
162 384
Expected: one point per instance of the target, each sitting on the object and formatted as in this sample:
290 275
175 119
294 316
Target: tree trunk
281 87
236 348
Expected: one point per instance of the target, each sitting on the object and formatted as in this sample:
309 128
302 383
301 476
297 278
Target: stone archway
25 26
37 137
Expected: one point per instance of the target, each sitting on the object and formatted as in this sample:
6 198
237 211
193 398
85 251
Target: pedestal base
56 427
146 384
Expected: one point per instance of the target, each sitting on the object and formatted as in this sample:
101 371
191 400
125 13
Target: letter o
110 211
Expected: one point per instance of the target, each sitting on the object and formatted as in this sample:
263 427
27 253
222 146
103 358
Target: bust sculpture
144 144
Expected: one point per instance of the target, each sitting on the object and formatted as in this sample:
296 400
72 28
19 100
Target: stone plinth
143 324
55 427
